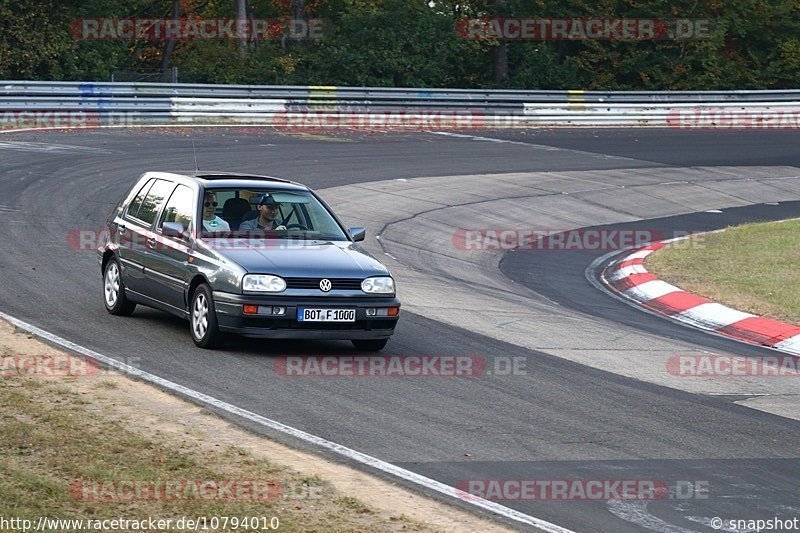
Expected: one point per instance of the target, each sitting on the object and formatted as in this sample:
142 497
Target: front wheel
369 345
114 291
203 318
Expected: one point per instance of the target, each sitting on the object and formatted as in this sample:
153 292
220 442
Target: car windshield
265 213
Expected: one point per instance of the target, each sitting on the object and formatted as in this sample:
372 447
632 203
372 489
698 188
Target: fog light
250 309
371 311
278 310
394 311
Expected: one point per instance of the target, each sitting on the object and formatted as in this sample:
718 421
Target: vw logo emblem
325 285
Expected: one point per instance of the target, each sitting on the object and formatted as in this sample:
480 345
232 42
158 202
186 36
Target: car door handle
121 229
151 242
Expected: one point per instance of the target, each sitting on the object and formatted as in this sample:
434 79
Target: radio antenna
196 166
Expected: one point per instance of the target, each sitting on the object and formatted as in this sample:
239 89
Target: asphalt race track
580 410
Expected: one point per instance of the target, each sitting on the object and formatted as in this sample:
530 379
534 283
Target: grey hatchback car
253 255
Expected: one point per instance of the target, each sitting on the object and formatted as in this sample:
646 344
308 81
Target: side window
133 209
154 200
179 208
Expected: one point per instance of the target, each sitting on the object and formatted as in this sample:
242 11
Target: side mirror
358 233
173 229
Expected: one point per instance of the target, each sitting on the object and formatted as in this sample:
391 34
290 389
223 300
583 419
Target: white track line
533 145
354 455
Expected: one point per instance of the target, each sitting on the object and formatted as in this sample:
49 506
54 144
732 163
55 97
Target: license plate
305 314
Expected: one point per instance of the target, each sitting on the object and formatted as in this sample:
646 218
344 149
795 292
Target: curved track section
592 401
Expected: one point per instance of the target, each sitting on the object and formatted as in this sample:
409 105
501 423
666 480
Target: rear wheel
203 318
114 291
369 345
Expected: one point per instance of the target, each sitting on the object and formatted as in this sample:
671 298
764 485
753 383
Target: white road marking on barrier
348 453
651 290
713 315
627 271
790 345
641 254
221 106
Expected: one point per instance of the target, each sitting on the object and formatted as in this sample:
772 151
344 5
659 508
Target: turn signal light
394 311
251 309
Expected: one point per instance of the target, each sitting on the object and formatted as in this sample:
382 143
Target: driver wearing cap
267 211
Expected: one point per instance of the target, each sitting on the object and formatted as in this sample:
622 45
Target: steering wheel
296 226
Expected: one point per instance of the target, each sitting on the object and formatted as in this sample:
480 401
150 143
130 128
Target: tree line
747 44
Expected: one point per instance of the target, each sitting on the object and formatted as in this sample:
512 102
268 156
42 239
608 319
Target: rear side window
154 200
179 208
136 204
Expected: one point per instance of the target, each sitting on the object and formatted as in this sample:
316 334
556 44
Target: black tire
369 345
203 318
114 291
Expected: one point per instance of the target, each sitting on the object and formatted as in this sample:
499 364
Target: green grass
753 268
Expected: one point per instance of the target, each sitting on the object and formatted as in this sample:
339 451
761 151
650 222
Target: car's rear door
166 263
127 229
135 233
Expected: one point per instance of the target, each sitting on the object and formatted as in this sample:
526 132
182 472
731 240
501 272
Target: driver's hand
280 228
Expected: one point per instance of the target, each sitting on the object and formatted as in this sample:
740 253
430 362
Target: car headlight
378 285
263 283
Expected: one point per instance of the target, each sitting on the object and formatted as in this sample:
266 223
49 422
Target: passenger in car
267 211
211 222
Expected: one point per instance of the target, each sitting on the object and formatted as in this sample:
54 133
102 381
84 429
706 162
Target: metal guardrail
147 103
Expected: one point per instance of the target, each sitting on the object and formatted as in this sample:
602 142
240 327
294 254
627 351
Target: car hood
306 260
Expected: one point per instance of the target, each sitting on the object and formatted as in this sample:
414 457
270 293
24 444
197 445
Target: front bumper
231 317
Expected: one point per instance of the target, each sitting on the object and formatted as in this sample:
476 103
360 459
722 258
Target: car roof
224 180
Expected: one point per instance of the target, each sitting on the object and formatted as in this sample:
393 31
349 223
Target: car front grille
337 284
